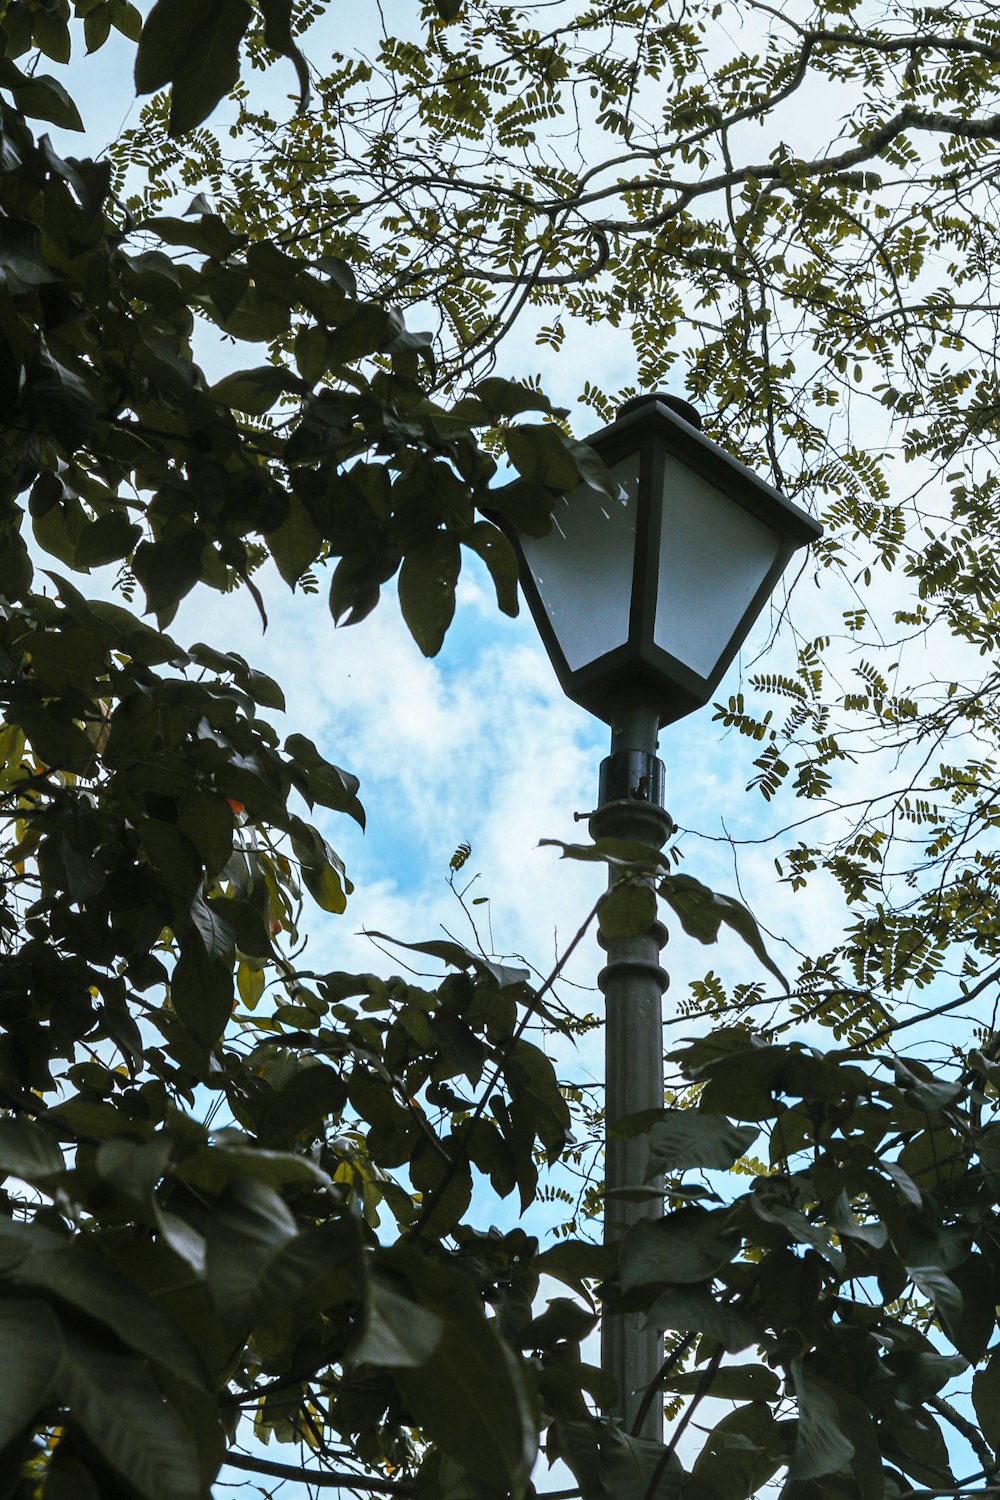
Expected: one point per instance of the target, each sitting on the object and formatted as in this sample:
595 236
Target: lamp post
642 603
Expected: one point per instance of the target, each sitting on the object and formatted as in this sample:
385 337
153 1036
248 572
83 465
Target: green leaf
427 580
134 1167
541 452
255 391
193 45
68 403
55 741
322 870
939 1289
398 1333
740 1454
986 1400
575 1262
695 1308
628 910
312 352
214 1167
509 398
32 1349
106 540
51 35
702 911
278 36
44 98
211 926
469 1395
169 570
247 1229
27 1151
201 991
304 1102
633 1468
617 854
88 1284
321 781
685 1246
594 471
114 1399
728 1382
206 819
500 558
295 544
690 1138
913 1440
821 1446
206 232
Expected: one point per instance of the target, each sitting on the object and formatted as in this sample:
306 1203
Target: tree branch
322 1479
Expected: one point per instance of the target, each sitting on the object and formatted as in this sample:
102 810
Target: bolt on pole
633 982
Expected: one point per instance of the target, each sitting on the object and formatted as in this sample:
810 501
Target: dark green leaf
690 1138
67 402
88 1284
542 453
28 1151
321 781
247 1230
509 398
398 1332
278 36
821 1446
696 1309
986 1400
686 1246
427 582
201 989
44 98
295 544
114 1399
499 556
216 933
193 45
55 741
728 1382
701 911
255 391
305 1102
215 1167
207 821
32 1349
169 570
740 1454
469 1395
106 540
627 910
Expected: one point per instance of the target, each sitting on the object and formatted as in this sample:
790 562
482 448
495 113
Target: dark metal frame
640 666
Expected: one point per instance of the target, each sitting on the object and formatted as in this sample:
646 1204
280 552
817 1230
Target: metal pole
630 806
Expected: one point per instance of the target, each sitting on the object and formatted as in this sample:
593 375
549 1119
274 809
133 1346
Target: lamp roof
676 425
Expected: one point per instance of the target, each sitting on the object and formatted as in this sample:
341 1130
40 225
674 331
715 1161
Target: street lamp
642 603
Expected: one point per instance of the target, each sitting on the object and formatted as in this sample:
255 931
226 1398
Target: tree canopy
240 1194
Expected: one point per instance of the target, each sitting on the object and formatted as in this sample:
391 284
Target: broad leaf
121 1410
32 1349
427 580
686 1246
691 1138
194 47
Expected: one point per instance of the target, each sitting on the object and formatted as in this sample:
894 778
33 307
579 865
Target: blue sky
479 745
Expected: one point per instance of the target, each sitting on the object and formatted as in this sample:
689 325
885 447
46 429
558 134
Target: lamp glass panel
713 558
583 568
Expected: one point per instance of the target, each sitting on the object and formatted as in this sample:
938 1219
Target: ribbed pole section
633 983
